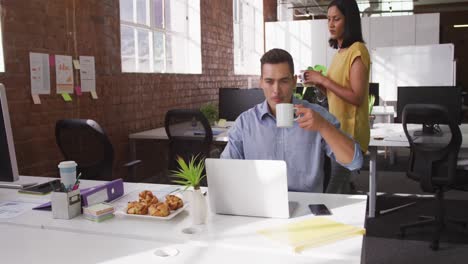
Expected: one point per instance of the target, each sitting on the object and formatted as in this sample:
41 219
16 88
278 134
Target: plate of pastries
149 205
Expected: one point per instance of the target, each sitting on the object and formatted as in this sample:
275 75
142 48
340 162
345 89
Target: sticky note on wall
36 98
76 63
78 90
66 97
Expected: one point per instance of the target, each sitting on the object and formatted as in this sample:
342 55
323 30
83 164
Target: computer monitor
8 165
234 101
448 96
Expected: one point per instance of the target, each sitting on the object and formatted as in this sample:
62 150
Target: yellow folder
312 232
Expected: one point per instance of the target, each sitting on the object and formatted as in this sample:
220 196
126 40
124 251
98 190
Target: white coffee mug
68 173
301 76
285 115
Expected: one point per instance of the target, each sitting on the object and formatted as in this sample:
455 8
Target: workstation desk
35 237
160 134
388 135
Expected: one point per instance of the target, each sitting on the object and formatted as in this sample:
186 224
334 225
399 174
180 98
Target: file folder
312 232
106 192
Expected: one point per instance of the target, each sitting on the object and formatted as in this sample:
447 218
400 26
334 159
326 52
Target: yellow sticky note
94 95
312 232
222 122
76 64
36 98
66 97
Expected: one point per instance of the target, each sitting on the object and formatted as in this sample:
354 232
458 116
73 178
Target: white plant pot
198 208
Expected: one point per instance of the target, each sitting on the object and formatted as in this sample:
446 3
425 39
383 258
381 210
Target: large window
248 36
160 36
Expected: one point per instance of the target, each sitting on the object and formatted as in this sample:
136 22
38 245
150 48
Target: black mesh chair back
433 158
85 142
433 162
189 134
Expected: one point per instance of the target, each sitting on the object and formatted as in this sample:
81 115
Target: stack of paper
312 232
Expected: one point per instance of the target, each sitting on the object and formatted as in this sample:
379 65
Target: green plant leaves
189 174
371 103
210 111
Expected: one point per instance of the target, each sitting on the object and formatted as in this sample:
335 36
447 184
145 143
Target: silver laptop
248 187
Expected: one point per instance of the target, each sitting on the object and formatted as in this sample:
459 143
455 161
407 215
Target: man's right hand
309 119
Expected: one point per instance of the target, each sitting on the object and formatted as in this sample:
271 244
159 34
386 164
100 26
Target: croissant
137 208
174 202
159 209
148 198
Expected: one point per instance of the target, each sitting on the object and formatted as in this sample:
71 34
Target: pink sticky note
51 60
78 90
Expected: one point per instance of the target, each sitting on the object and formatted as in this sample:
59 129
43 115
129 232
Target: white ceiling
319 6
325 2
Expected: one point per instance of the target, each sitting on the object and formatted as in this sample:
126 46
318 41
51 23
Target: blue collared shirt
255 136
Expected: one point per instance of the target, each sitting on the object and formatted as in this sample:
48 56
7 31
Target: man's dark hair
275 56
352 28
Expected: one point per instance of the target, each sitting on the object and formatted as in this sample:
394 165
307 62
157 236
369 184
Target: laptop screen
248 187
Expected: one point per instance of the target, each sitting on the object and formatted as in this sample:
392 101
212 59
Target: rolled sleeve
357 161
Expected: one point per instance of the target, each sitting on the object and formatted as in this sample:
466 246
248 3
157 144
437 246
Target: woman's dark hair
352 28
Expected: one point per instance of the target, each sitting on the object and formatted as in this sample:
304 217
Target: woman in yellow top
347 82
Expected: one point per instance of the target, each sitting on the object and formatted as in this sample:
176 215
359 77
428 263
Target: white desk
224 239
160 134
392 135
385 112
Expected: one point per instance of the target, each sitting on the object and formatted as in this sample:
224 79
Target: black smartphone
43 188
319 209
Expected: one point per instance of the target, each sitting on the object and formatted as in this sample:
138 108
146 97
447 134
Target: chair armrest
132 163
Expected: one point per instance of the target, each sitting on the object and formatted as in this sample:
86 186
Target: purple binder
106 192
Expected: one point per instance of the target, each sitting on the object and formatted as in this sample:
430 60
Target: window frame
151 27
243 28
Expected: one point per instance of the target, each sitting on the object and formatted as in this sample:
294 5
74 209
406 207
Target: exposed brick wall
128 102
270 13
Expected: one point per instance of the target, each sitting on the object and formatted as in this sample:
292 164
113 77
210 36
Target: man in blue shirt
255 135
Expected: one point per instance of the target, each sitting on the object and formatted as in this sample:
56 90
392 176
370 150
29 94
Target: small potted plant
210 111
371 105
190 175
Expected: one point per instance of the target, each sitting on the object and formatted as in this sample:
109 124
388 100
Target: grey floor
382 250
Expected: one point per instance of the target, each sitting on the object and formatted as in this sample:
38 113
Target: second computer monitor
234 101
8 166
448 96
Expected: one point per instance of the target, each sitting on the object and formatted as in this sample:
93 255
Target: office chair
433 162
85 142
189 134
